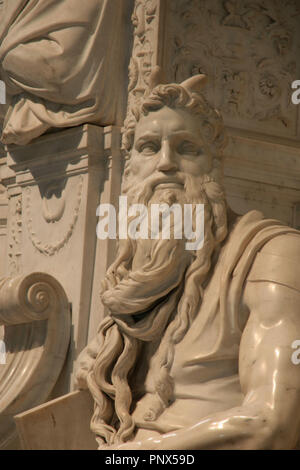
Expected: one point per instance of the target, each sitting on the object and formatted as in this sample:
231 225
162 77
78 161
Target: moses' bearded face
167 142
170 163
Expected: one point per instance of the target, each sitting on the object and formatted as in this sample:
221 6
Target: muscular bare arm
269 416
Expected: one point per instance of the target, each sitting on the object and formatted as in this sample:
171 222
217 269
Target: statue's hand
148 444
130 446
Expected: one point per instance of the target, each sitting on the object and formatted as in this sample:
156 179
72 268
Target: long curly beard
152 290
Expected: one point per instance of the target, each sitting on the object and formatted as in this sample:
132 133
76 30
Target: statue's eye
189 148
149 148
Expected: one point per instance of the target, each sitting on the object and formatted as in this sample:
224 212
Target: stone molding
35 314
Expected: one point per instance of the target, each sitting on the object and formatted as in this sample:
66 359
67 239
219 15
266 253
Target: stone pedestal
44 427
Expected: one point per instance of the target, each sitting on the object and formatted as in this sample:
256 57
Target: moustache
142 192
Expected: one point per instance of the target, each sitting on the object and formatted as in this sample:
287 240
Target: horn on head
195 83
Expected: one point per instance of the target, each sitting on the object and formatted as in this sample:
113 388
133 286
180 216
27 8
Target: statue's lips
169 184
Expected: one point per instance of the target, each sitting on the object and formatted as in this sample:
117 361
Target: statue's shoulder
286 245
278 260
266 249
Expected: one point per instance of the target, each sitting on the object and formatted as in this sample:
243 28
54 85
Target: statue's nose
167 160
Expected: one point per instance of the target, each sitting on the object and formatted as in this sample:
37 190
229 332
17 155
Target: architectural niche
85 82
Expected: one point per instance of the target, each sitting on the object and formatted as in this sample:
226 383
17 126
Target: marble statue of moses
195 352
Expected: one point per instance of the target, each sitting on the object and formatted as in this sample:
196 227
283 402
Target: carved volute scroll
34 311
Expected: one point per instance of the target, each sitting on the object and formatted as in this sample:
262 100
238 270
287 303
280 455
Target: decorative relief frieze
145 20
53 209
15 235
247 49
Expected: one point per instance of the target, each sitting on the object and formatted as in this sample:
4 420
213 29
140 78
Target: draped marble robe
205 367
63 64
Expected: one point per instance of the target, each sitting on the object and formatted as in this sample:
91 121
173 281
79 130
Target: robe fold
64 64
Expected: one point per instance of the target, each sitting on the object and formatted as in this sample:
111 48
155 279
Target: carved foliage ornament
15 235
248 49
144 20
